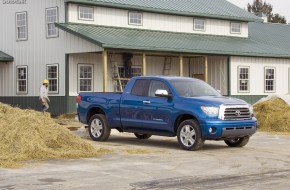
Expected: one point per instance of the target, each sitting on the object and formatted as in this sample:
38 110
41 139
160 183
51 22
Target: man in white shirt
43 97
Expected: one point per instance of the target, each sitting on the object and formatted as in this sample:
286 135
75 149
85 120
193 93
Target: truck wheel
189 135
237 142
142 136
98 128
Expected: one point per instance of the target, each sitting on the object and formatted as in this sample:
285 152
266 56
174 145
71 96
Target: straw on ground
30 135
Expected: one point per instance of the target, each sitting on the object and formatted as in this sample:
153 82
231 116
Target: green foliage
260 6
278 19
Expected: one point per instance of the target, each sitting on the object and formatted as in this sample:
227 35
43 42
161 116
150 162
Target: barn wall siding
155 21
38 50
257 66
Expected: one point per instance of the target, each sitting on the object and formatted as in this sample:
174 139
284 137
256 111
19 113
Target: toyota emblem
238 112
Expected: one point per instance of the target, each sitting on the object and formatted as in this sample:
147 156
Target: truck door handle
146 102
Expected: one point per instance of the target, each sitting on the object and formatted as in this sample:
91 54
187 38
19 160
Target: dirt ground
159 163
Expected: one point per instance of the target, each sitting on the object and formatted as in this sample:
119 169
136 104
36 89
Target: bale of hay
273 115
30 135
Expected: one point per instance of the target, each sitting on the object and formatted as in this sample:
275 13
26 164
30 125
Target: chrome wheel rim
96 128
187 135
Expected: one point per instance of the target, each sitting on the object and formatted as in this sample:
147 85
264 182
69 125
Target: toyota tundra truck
169 106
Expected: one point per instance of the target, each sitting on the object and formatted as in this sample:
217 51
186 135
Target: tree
278 19
259 6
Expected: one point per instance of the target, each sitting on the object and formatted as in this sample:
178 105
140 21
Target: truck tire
237 142
98 128
189 135
142 136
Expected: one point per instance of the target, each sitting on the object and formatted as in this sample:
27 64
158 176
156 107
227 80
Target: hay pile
141 151
68 116
273 115
29 135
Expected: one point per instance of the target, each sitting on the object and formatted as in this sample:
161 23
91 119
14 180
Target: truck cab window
157 85
140 88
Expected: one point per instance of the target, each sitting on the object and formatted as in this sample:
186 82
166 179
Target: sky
281 7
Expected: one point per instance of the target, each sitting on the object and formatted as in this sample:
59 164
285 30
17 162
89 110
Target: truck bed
107 101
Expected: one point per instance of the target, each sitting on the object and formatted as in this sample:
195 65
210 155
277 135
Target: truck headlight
251 110
211 111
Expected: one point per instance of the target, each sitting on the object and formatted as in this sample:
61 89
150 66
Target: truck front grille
238 112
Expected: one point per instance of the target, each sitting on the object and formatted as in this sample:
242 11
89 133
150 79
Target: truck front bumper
223 129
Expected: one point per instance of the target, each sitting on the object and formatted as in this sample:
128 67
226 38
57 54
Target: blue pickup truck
168 106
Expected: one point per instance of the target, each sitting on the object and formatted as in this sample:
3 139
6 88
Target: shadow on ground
171 143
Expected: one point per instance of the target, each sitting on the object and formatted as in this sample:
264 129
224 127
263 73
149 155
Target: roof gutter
188 51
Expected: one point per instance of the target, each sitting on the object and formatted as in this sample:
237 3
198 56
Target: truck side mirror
162 93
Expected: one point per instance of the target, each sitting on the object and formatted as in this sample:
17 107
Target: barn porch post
180 65
144 64
206 69
105 70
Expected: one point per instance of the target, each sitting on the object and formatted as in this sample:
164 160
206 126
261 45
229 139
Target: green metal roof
220 9
275 35
267 43
5 57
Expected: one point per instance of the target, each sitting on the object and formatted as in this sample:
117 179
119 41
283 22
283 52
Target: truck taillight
78 99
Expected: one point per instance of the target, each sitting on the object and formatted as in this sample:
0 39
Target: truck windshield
193 88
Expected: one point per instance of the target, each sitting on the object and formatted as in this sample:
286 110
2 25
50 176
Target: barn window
21 26
85 78
86 13
51 19
135 18
199 24
243 79
270 79
235 27
21 79
52 77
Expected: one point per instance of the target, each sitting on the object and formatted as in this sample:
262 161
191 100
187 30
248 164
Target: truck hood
216 100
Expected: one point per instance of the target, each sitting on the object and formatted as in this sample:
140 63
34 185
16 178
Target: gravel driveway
159 163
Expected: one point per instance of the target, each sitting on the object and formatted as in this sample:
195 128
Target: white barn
85 45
